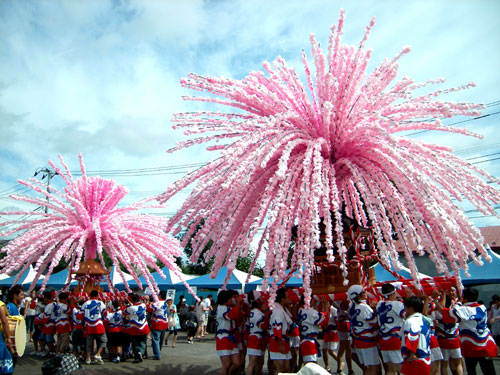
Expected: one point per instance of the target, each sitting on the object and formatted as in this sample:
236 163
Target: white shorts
277 356
255 352
223 353
436 354
368 356
330 345
451 353
294 341
392 356
310 358
344 336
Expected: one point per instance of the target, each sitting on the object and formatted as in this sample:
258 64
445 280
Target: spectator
7 365
200 317
191 324
14 297
29 313
207 308
173 322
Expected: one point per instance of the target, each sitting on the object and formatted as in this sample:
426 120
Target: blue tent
381 274
171 281
10 280
293 282
205 281
488 273
57 280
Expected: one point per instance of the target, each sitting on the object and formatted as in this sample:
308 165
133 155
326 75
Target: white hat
354 291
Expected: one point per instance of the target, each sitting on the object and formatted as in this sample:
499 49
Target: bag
171 322
190 324
61 364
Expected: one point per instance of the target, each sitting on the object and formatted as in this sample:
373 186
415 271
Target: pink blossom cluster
82 221
291 153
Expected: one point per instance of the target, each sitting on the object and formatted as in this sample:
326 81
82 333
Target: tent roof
294 281
236 280
9 281
116 277
31 276
488 273
57 280
381 274
171 281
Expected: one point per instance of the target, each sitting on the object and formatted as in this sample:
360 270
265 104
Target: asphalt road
189 359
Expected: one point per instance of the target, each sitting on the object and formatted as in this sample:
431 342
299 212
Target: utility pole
49 174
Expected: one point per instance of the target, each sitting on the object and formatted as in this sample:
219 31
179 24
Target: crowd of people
63 322
417 335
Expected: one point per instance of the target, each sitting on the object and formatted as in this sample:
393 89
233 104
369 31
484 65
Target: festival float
82 221
294 150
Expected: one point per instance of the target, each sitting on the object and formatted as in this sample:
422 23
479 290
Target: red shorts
256 342
274 345
416 367
307 348
224 346
330 336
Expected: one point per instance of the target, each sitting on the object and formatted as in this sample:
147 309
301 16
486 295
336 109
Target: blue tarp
205 281
10 280
293 282
488 273
56 280
163 284
381 274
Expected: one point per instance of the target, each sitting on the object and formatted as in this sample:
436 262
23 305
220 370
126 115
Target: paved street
185 359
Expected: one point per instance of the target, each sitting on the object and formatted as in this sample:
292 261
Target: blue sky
102 77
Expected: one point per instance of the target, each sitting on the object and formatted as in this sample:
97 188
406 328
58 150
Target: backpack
61 364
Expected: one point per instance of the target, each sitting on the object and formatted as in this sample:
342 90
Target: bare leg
456 365
325 359
435 367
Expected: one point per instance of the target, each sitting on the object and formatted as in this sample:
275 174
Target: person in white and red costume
93 311
310 321
258 324
477 344
364 328
138 328
279 343
416 345
226 344
390 315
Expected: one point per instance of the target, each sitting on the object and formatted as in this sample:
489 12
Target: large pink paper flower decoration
83 221
293 152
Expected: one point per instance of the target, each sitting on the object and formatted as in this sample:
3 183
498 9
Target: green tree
200 267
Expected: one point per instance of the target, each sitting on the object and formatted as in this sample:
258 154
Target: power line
484 161
455 123
477 148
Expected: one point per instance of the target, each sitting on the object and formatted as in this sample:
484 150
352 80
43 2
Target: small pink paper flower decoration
83 221
291 153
